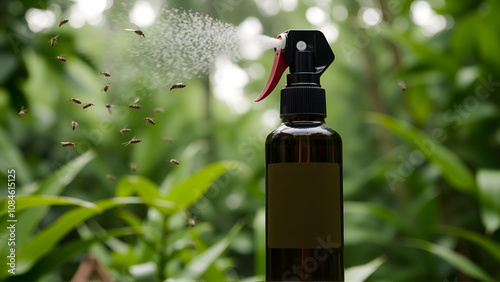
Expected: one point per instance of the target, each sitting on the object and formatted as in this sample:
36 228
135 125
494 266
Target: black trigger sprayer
304 205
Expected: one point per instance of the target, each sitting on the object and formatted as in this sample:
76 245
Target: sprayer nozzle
308 54
282 38
279 66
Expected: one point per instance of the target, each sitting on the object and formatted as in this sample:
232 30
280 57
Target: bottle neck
303 118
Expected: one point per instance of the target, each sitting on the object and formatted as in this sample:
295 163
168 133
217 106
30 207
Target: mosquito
137 31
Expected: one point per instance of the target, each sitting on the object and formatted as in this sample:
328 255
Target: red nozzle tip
280 64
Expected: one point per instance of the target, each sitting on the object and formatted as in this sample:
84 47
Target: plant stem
162 251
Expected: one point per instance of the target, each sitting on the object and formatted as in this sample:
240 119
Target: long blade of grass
25 202
455 259
454 171
134 184
52 185
55 259
487 244
46 240
201 262
362 272
12 158
259 227
378 211
191 190
212 273
488 182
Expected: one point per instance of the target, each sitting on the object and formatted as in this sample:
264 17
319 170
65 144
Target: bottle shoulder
291 130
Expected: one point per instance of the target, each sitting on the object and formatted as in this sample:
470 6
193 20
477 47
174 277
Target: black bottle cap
309 54
306 100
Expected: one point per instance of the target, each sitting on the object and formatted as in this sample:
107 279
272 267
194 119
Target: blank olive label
304 205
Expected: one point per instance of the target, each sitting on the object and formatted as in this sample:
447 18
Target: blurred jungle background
413 91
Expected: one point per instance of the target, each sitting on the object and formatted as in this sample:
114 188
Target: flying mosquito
76 100
109 106
22 112
68 144
132 141
74 124
106 87
86 105
133 105
61 58
53 40
150 120
402 85
137 31
125 130
177 85
191 221
63 21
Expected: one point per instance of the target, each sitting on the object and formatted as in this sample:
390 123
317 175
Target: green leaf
134 184
378 211
52 185
461 43
419 103
64 253
488 182
455 259
47 239
487 244
25 202
259 229
201 262
12 158
55 183
183 171
191 190
362 272
488 44
454 171
136 222
212 273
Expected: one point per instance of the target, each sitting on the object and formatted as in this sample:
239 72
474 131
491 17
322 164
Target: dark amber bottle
304 210
305 140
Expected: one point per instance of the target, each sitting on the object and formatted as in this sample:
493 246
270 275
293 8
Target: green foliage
24 202
200 263
492 247
453 169
488 182
45 241
455 259
188 192
362 272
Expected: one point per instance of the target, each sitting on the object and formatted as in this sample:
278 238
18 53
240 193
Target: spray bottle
304 210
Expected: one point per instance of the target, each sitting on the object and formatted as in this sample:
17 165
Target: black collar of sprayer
309 54
303 100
